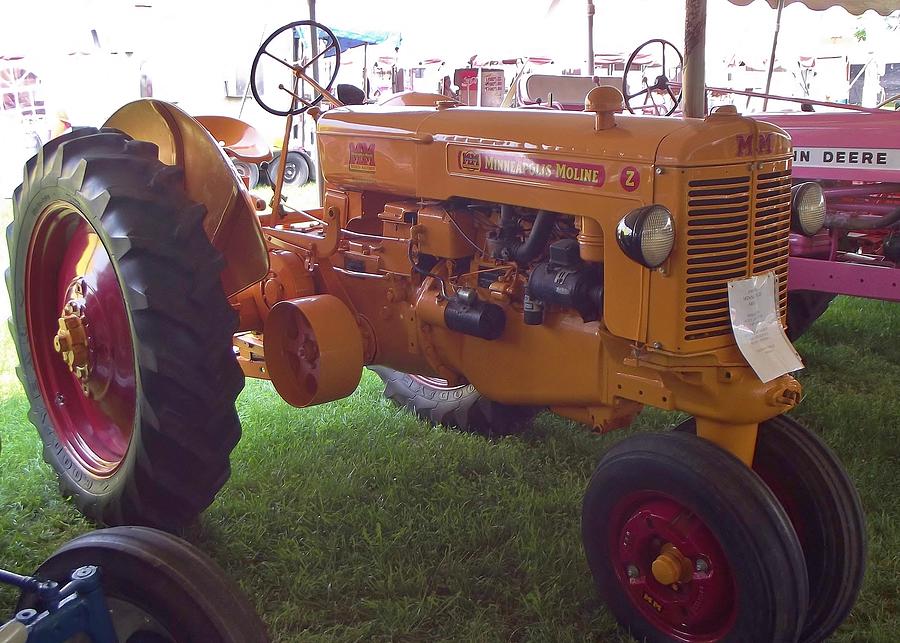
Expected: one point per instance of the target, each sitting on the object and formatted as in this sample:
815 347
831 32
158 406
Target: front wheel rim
702 605
69 273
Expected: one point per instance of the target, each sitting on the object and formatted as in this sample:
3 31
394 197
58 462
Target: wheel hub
71 340
80 339
671 566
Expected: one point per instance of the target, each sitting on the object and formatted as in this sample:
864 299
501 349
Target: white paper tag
757 327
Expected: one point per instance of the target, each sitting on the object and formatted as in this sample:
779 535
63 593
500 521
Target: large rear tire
687 544
104 238
824 507
159 588
458 407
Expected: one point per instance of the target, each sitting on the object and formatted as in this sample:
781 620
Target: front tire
158 588
824 507
139 427
685 543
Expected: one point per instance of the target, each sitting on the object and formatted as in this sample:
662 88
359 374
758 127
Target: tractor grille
737 226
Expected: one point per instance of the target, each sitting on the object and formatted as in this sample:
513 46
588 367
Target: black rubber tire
301 169
250 170
743 515
804 307
171 581
812 484
460 407
185 425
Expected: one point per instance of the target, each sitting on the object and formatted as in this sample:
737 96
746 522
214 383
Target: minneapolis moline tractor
485 263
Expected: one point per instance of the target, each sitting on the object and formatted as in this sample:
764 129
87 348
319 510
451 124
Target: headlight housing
647 235
807 208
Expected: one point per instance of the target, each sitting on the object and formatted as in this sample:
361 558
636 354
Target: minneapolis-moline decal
362 157
529 167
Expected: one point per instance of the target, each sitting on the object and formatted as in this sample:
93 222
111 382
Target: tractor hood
440 152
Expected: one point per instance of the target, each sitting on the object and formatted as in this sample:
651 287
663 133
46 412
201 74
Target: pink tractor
854 155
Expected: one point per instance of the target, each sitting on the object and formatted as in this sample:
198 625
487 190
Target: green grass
353 521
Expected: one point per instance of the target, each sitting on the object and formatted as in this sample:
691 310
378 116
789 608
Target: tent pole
772 56
590 22
314 52
694 59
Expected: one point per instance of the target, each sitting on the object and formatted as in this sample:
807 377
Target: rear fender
209 178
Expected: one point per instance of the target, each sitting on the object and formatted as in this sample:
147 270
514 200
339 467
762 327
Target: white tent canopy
856 7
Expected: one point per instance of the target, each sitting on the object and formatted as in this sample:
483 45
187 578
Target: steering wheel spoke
296 96
299 104
662 82
281 60
331 45
646 90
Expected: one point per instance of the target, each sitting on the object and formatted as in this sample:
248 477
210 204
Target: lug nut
61 343
701 565
26 616
632 571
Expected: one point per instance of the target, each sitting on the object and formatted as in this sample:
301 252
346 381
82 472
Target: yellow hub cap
671 566
71 343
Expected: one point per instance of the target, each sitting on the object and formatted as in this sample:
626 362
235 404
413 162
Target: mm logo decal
362 157
470 160
748 144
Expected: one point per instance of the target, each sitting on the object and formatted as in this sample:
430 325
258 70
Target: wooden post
695 59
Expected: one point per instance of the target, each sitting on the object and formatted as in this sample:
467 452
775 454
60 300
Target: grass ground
353 521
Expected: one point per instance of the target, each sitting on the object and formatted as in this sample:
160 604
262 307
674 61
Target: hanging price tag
757 327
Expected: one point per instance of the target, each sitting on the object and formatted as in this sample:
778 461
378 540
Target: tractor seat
568 92
240 140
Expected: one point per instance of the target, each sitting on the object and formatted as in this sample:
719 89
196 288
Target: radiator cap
605 102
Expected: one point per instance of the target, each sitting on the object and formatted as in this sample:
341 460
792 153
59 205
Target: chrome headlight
807 208
647 235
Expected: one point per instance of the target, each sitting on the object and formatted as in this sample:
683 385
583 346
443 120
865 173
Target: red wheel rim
703 607
95 428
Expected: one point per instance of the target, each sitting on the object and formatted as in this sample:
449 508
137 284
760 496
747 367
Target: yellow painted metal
71 343
314 351
671 566
241 139
13 632
738 439
209 178
407 179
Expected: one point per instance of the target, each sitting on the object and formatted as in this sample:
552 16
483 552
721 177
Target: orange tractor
486 263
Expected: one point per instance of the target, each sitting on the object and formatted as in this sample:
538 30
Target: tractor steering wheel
299 104
661 84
